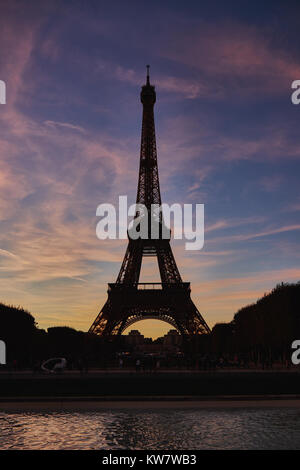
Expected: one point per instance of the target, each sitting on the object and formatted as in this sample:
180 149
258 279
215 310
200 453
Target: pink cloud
234 52
220 299
250 236
187 87
64 125
271 183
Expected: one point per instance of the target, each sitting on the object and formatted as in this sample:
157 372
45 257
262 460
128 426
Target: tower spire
148 75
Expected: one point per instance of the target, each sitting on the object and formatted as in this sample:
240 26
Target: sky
227 137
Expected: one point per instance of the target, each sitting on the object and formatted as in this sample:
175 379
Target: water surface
250 428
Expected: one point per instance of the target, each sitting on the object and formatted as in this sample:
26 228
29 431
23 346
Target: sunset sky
227 136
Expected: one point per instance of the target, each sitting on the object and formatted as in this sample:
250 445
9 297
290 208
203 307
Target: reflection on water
158 429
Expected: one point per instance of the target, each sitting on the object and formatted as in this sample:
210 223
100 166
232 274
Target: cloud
233 56
229 223
188 88
271 183
216 60
64 125
7 254
51 183
294 207
250 236
219 299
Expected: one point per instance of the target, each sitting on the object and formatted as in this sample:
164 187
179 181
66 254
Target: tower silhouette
169 300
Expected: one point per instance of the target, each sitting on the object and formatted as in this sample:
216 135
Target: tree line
264 329
260 331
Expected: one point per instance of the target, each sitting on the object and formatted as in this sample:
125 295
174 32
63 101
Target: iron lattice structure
128 300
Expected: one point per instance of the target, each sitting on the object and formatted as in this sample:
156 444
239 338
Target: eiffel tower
169 300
